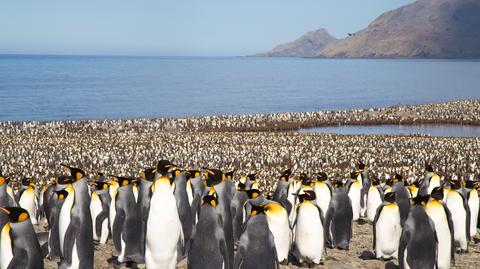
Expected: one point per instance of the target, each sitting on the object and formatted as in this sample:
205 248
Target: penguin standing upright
323 191
402 197
125 225
19 247
309 232
5 199
366 183
458 206
26 198
143 204
75 223
195 189
164 228
184 209
279 226
338 219
236 208
387 228
473 204
442 219
430 181
374 198
256 248
354 190
418 243
281 191
215 178
208 246
99 208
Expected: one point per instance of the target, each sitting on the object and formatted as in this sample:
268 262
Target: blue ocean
111 87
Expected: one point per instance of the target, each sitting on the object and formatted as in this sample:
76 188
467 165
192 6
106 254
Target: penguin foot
132 265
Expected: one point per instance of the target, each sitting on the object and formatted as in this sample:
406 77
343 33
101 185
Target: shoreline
461 112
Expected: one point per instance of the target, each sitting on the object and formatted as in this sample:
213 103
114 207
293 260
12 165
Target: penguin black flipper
224 251
467 209
326 227
117 229
99 221
377 215
19 259
450 227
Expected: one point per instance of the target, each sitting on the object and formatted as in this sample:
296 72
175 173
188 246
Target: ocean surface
441 130
103 87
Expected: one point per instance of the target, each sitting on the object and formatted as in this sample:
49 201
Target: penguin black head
27 181
74 173
471 184
176 172
303 176
163 167
389 182
62 194
213 177
101 185
337 184
63 180
375 180
192 174
428 167
125 181
398 178
455 184
256 210
100 176
148 174
229 175
420 200
241 187
251 177
253 193
354 174
437 193
390 197
306 181
361 165
307 195
321 176
211 198
15 214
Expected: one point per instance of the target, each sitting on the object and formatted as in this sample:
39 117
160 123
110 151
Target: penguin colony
214 219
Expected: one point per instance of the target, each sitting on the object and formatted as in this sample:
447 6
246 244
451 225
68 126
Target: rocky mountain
308 45
422 29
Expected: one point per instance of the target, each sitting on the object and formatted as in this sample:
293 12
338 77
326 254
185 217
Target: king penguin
402 196
374 198
281 191
338 219
195 190
19 247
184 209
143 204
418 243
125 225
430 181
473 204
5 199
256 248
323 191
366 183
354 190
387 229
99 208
208 248
279 226
442 219
309 232
75 223
26 198
236 208
164 228
458 206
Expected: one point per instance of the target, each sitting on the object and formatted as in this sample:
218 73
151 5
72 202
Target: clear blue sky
175 27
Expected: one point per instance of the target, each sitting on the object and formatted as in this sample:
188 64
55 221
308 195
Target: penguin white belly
64 218
309 236
112 212
95 210
388 232
135 193
354 194
282 236
373 202
405 264
121 255
190 193
323 195
6 252
473 203
434 182
163 232
105 231
27 201
439 218
459 216
75 260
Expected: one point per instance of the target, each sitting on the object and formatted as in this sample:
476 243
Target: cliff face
308 45
423 29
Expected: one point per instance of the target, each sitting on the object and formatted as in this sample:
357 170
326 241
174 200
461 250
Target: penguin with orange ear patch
5 198
19 247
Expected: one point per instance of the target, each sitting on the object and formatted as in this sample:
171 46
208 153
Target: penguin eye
22 217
